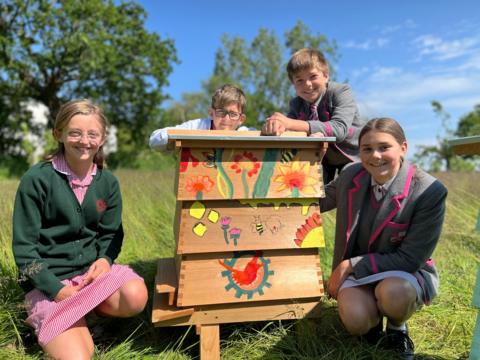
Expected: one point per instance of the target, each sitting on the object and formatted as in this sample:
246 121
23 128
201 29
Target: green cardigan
54 237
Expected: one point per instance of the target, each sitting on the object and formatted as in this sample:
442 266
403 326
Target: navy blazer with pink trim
406 229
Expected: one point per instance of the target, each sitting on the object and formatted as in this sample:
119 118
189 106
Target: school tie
313 112
379 191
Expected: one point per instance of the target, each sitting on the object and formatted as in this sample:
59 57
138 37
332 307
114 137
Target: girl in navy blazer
388 222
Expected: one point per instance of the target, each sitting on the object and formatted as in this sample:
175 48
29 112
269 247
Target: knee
356 319
395 295
81 353
135 296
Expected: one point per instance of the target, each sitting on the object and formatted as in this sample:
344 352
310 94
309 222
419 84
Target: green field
440 331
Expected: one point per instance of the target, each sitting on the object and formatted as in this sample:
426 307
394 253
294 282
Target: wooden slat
218 226
164 311
218 174
242 312
468 149
251 145
242 139
466 146
166 278
279 274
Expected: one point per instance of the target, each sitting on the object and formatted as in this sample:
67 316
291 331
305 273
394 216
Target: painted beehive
247 227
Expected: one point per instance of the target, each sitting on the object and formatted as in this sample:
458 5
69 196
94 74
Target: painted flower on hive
199 184
295 176
246 164
235 234
185 158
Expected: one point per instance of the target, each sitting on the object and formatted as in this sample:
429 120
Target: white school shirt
159 138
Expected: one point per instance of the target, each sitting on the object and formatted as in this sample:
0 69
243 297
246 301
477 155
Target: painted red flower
247 162
185 159
199 184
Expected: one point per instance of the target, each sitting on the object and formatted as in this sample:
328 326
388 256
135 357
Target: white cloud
360 72
368 44
406 96
439 49
445 69
392 89
407 24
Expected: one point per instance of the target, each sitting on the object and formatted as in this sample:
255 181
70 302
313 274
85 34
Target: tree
53 51
441 156
469 125
259 68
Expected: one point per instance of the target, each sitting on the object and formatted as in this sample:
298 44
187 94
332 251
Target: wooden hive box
247 228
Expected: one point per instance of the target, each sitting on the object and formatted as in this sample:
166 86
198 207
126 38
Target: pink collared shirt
79 186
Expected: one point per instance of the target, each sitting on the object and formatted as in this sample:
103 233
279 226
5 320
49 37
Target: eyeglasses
77 135
233 115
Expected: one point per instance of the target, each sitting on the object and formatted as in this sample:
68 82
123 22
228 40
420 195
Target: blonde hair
306 59
67 112
228 94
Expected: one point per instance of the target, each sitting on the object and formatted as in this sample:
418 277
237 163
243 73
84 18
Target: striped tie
379 191
313 112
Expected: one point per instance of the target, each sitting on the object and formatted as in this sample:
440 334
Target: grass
440 331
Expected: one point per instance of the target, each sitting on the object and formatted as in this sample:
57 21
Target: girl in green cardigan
67 232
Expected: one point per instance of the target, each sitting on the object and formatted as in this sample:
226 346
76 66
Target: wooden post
210 342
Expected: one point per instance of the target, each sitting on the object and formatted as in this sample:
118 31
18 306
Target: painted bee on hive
287 155
209 159
257 225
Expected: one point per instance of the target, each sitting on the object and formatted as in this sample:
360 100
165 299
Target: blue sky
397 56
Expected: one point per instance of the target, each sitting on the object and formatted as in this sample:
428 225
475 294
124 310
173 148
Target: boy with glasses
226 113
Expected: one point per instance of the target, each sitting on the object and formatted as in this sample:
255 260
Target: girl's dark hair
385 125
67 112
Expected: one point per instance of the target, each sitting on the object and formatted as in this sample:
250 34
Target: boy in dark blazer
321 107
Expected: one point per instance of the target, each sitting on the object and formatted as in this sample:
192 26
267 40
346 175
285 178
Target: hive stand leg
209 341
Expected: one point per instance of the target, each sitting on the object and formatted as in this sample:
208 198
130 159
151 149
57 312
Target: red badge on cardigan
101 205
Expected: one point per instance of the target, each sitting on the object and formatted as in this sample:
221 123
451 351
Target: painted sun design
310 234
247 276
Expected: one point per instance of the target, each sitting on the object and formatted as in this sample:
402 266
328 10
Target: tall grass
442 330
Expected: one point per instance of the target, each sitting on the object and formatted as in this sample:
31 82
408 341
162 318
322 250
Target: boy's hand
278 123
273 127
275 124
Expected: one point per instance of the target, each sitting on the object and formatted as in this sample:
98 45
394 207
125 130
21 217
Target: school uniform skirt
351 281
49 318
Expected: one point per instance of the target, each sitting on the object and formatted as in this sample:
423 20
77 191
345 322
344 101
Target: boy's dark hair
228 94
305 59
